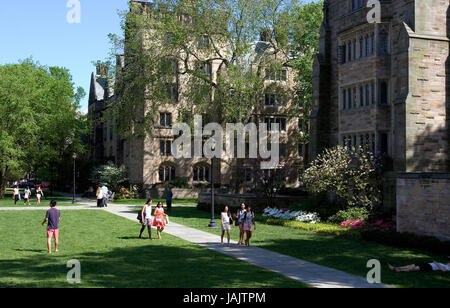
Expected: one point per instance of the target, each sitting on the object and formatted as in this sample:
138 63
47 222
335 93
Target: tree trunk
3 174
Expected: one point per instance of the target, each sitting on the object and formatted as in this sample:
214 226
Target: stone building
150 162
386 85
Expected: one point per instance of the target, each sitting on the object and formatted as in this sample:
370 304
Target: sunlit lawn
111 255
346 254
155 201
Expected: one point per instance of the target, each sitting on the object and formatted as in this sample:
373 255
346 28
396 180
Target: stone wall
423 206
178 193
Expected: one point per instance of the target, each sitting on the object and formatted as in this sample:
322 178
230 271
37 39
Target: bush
355 213
319 205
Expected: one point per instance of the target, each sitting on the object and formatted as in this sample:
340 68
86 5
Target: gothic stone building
150 162
386 85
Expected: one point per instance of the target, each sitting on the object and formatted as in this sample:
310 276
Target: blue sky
39 28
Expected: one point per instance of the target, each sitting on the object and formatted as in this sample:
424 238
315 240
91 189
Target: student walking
158 221
16 194
169 196
27 195
99 195
146 218
226 222
105 195
239 219
39 194
249 224
53 217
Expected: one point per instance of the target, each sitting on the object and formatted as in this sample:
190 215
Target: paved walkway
312 274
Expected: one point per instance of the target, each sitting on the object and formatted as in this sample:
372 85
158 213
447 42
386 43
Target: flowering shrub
285 214
361 224
351 173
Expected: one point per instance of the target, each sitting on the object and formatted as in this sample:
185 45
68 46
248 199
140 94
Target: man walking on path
105 191
53 217
169 196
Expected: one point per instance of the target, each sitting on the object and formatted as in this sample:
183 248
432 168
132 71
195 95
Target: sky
40 29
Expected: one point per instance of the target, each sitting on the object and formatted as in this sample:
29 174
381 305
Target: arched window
201 173
166 173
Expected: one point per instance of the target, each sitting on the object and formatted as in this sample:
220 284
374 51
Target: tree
111 175
353 174
39 117
175 42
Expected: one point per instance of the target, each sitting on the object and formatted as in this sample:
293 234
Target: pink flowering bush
361 224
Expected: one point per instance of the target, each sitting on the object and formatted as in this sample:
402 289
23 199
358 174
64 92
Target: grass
343 253
9 202
155 201
111 255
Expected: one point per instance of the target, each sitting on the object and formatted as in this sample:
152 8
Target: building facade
150 161
385 85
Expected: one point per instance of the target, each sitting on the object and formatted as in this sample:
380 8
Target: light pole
212 224
74 157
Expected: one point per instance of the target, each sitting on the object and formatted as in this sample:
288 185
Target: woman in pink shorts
249 224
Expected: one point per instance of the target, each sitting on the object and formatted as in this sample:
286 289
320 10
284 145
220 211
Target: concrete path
312 274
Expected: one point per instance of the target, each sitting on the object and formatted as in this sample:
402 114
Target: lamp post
74 157
212 224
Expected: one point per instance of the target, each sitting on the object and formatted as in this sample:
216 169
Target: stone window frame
165 148
206 173
380 82
165 123
167 177
275 120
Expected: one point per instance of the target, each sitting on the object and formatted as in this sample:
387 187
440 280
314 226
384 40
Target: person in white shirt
225 219
16 194
422 267
27 195
146 218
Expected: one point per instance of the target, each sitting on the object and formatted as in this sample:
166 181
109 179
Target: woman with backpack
249 224
145 217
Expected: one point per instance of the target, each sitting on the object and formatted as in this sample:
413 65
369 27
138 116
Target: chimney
102 70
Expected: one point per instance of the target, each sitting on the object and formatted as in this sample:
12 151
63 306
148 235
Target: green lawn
155 201
346 254
111 255
9 202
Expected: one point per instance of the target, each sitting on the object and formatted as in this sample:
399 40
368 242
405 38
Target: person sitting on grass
53 217
421 267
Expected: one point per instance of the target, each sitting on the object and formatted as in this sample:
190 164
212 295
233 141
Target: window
276 75
349 98
354 50
384 144
283 150
367 46
273 99
354 97
165 120
383 93
201 174
165 148
361 47
172 92
342 54
373 93
344 99
353 5
383 43
300 150
361 96
203 42
204 67
280 121
360 4
166 173
367 94
349 52
372 38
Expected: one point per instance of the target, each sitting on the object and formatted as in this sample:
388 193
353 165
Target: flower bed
285 214
361 224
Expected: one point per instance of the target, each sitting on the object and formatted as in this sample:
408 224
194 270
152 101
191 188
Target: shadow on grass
155 266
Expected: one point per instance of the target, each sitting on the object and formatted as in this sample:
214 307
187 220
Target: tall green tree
39 118
194 33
